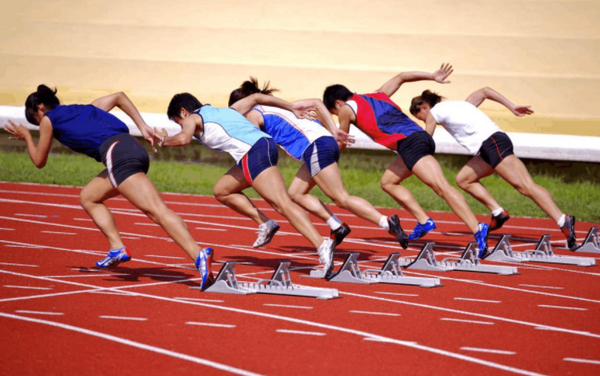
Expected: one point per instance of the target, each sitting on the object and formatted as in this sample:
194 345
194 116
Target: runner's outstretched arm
477 98
440 75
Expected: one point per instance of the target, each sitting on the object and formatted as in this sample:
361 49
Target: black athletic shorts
497 147
414 147
123 156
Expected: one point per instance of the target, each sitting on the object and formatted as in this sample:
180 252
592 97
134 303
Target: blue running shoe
481 238
204 266
422 229
114 258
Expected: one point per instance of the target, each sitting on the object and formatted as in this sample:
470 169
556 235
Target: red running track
60 315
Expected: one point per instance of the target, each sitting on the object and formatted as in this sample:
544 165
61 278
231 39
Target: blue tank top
84 128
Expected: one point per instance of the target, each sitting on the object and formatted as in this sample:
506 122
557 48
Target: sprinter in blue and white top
255 153
91 130
308 141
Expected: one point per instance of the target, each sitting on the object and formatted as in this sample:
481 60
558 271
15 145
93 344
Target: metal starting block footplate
391 273
426 260
503 252
279 284
469 262
591 244
543 253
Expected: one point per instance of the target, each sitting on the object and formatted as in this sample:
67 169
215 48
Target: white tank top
465 122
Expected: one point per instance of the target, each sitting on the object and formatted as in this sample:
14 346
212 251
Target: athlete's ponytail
428 97
44 95
250 87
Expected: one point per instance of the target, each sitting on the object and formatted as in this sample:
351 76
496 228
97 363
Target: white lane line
21 246
490 351
167 257
374 339
139 345
83 219
164 275
542 287
146 224
394 293
375 313
229 326
467 321
302 332
26 265
210 229
202 300
6 229
31 215
41 313
360 333
560 307
89 275
105 292
577 360
129 238
478 300
58 233
287 306
27 287
124 318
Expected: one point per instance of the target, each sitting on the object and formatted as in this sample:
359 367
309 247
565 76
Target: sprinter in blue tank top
255 153
314 143
91 130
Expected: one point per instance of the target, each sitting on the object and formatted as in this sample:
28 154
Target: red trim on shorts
246 170
497 149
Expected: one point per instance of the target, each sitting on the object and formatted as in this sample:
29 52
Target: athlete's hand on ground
522 110
441 74
19 131
344 137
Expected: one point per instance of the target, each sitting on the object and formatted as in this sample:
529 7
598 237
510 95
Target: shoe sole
268 239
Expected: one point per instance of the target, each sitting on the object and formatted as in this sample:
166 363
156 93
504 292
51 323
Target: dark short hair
44 95
249 87
335 92
428 97
182 100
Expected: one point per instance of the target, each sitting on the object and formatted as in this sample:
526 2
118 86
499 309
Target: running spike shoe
204 266
397 232
326 252
422 229
266 231
114 258
569 230
481 238
497 221
339 234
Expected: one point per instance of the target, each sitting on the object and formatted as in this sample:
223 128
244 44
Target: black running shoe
339 234
569 230
397 232
497 221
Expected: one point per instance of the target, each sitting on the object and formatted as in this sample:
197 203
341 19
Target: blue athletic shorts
260 157
320 154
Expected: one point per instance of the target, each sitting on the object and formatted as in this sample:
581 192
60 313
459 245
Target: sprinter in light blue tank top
255 153
316 146
91 130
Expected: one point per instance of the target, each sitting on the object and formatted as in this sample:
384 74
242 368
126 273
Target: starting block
426 260
591 244
469 262
503 252
279 284
391 273
543 253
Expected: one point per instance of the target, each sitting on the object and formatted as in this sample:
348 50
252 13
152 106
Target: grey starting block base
543 253
591 244
426 261
391 273
469 262
279 284
503 252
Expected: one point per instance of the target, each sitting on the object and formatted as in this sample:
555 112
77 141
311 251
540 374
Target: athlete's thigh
232 182
99 189
302 182
396 172
270 185
141 192
429 171
330 181
513 171
475 170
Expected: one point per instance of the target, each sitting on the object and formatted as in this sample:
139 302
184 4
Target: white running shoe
326 251
266 231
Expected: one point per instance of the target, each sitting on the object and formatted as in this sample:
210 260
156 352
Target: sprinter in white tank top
473 130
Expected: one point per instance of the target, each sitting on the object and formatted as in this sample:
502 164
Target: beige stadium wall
543 53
